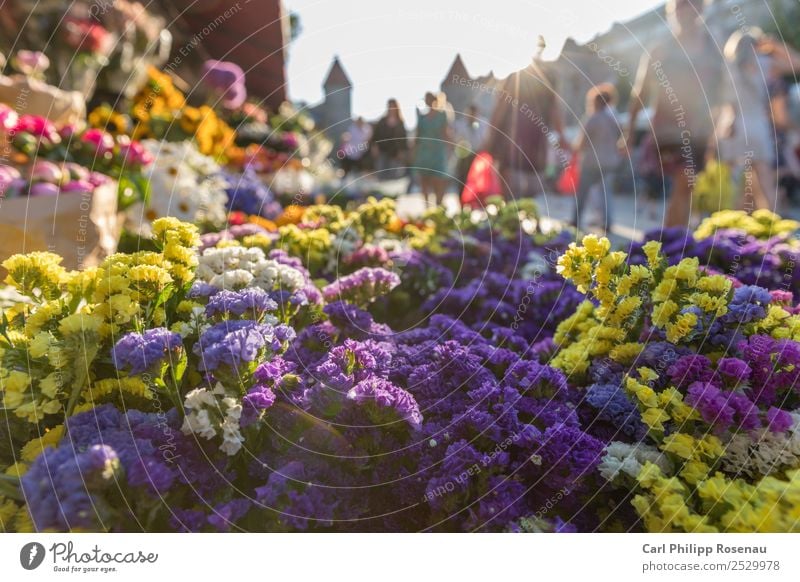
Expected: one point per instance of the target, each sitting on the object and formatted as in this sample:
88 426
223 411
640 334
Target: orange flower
263 223
292 214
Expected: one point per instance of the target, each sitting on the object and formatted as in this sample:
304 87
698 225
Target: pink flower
37 126
68 131
103 142
134 154
78 186
44 171
97 179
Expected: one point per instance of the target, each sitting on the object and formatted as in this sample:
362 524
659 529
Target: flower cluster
535 385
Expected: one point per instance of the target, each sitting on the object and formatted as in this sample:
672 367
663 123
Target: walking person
355 145
389 145
679 80
469 135
526 118
431 146
750 138
598 149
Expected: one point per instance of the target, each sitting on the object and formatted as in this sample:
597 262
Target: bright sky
403 48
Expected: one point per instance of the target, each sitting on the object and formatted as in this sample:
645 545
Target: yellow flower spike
663 312
713 489
680 444
655 418
15 381
664 290
647 374
34 448
649 475
652 250
681 328
711 446
40 344
694 471
626 353
79 324
596 247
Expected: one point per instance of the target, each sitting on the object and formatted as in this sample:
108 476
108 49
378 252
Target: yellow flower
687 270
35 447
52 384
682 326
626 353
596 247
79 324
652 250
15 381
694 471
40 344
664 290
654 418
680 444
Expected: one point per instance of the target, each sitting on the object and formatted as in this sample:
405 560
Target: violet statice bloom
368 256
139 352
60 484
384 395
227 514
613 406
258 399
749 304
362 287
779 420
249 194
252 301
233 342
733 372
689 369
352 362
201 289
775 368
723 410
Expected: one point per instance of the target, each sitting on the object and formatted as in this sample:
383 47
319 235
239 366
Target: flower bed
350 371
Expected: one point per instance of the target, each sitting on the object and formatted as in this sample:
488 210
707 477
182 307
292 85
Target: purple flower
362 287
226 514
733 371
383 394
140 351
252 301
779 420
689 369
232 342
60 484
748 304
257 400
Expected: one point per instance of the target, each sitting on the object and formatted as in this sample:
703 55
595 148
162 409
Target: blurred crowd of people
705 100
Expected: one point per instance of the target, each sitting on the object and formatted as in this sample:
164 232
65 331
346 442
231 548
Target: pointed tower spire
336 78
457 71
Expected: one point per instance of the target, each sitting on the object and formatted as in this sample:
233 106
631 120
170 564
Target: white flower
199 398
236 279
621 457
198 423
183 183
